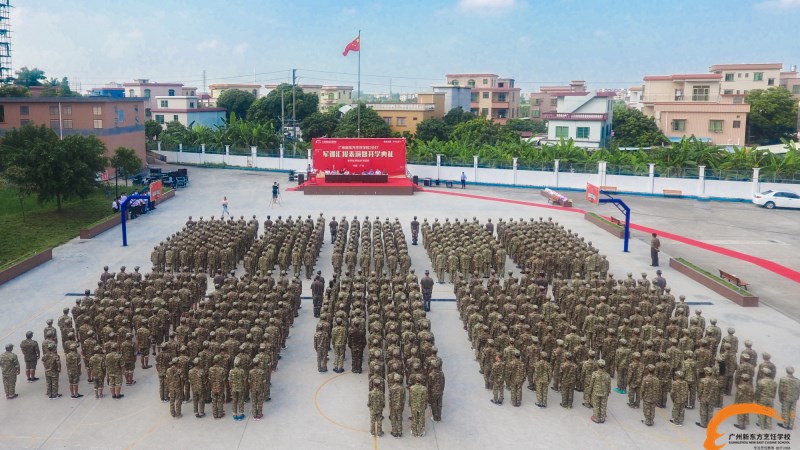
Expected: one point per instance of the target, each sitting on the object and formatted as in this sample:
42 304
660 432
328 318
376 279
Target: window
331 96
454 83
174 117
54 124
738 99
2 113
471 83
758 76
771 82
582 132
747 75
97 110
501 97
715 126
54 110
700 93
191 104
485 112
553 102
24 110
728 91
171 92
737 124
728 77
160 118
24 122
501 84
739 75
485 95
131 93
401 121
98 123
678 95
67 124
485 81
796 89
536 101
562 132
147 93
473 97
148 112
66 110
679 125
388 120
535 113
165 103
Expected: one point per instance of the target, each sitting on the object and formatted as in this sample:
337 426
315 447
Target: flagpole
358 94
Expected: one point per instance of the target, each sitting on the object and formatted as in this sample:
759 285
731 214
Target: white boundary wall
647 185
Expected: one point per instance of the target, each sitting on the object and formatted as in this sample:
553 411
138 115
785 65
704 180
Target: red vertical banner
155 190
387 155
592 193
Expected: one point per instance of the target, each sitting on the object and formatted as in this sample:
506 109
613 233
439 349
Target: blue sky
410 44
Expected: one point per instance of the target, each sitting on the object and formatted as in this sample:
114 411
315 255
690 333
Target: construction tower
6 73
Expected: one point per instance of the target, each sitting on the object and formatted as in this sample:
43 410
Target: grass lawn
42 226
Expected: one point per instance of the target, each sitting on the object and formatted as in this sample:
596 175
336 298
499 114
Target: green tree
58 88
433 128
457 115
319 124
372 124
478 132
236 101
268 109
12 90
29 77
126 160
634 129
773 115
152 130
53 168
519 125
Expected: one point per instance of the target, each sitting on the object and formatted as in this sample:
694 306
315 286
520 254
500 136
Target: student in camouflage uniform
9 365
30 353
52 367
376 403
498 376
419 402
115 367
175 388
788 393
256 382
635 376
436 383
543 373
707 393
197 383
236 379
397 401
163 361
97 364
73 360
569 376
599 389
515 376
339 341
744 394
679 395
651 394
766 388
216 375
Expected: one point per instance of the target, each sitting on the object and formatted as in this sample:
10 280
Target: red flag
353 46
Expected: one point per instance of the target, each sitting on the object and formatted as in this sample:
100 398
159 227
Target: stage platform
398 185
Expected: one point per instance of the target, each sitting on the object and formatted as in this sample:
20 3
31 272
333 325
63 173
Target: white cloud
486 6
778 4
208 44
349 11
240 48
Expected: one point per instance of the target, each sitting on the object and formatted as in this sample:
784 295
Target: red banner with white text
358 155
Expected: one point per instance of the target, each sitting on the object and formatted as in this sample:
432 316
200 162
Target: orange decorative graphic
742 408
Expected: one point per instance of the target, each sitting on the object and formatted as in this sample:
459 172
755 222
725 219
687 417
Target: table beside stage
336 178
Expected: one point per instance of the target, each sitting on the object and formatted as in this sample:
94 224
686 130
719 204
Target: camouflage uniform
788 393
216 375
175 388
543 372
707 393
376 403
397 400
766 388
651 394
197 383
599 389
236 379
419 403
9 364
679 395
744 394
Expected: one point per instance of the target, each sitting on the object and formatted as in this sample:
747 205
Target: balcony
574 116
498 104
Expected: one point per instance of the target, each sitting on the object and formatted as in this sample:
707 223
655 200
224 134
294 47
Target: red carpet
397 185
761 262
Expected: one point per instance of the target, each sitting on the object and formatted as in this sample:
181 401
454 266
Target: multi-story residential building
492 97
583 117
118 122
693 104
187 110
147 90
329 96
791 82
217 89
738 79
545 100
406 116
455 97
109 90
634 98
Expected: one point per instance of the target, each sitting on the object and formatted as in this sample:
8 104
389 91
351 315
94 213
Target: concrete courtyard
311 410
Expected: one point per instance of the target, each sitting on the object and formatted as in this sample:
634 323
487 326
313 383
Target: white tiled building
584 117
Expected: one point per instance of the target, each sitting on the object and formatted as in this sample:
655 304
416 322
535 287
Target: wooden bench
733 279
616 221
675 192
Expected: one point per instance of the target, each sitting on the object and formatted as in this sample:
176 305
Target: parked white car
777 199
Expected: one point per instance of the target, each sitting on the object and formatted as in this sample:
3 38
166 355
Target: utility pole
283 134
358 95
204 80
294 116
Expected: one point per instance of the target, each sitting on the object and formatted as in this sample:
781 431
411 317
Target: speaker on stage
301 177
416 180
